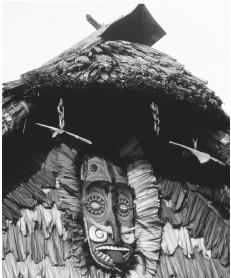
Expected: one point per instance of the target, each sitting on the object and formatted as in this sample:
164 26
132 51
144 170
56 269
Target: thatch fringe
14 115
30 269
49 232
217 143
196 214
172 238
26 195
68 179
180 266
38 233
36 190
148 231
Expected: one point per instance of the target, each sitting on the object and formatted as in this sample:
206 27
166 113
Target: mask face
108 221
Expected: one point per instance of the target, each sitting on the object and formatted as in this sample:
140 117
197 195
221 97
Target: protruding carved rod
93 22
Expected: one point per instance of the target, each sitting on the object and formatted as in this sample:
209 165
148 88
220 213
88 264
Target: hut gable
142 111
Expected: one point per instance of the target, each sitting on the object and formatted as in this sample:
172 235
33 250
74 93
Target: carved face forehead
108 221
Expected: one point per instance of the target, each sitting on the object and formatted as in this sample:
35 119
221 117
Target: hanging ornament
155 113
60 130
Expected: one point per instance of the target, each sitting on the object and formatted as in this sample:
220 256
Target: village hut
115 163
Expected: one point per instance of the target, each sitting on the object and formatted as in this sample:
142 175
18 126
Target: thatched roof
110 58
121 65
114 61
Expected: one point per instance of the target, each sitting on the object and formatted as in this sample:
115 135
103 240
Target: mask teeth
110 247
104 257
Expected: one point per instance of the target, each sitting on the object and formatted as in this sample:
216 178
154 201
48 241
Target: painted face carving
108 221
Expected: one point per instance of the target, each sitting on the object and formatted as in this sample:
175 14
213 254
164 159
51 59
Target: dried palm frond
147 222
14 116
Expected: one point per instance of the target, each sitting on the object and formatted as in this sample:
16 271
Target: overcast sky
198 34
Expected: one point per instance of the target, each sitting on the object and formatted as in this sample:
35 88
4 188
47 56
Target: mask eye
123 207
95 205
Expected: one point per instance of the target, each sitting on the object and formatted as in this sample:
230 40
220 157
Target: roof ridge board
138 25
87 40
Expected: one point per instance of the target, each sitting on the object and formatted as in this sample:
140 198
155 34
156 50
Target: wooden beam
93 22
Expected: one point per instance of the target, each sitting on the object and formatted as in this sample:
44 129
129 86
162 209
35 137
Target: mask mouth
111 254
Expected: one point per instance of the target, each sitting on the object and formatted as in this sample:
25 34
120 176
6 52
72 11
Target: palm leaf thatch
123 62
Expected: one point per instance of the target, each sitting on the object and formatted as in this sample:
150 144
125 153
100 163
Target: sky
198 34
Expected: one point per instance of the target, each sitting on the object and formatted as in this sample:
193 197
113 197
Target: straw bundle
180 266
198 215
14 115
148 227
174 237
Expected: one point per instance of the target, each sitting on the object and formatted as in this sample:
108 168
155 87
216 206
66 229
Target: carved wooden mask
108 214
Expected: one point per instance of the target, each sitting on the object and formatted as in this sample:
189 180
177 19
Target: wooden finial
93 22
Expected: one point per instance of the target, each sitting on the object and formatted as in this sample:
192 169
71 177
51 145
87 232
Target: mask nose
115 229
112 218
